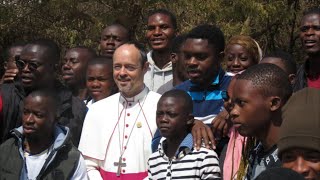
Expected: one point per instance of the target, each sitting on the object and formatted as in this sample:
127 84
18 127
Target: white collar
136 98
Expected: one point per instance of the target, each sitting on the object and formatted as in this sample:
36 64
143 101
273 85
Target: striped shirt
187 164
207 103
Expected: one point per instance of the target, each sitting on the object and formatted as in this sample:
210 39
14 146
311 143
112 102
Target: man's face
304 161
38 118
128 70
100 81
13 53
74 67
238 58
160 31
250 113
171 117
202 64
35 67
310 33
111 38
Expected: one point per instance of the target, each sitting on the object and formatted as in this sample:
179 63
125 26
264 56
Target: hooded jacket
71 110
156 77
61 163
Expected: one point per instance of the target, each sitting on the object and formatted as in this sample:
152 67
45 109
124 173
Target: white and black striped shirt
187 164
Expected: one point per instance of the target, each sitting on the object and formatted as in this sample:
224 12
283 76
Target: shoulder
5 146
184 86
154 94
105 102
225 80
165 87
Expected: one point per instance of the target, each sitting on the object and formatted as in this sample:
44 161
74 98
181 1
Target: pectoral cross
119 164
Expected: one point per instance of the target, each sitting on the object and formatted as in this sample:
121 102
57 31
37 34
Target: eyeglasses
225 95
31 64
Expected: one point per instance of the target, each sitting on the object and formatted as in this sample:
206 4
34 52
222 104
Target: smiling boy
258 96
176 156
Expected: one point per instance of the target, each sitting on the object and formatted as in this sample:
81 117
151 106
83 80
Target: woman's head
241 52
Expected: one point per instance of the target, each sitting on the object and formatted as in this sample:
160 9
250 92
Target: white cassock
119 127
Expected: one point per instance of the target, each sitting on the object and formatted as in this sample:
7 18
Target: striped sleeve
210 166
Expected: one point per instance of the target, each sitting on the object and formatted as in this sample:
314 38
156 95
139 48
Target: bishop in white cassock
117 131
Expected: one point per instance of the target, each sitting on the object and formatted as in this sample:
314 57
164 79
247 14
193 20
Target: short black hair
165 12
313 10
103 60
212 33
182 97
117 23
177 43
48 93
141 49
286 59
52 49
270 79
91 52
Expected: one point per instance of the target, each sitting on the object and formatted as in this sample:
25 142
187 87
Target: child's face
99 81
250 112
171 117
238 58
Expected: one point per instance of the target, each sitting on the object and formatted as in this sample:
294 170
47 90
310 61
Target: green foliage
273 23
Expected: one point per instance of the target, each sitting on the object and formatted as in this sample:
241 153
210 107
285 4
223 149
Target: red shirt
1 107
314 83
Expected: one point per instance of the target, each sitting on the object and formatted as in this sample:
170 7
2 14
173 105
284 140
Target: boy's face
100 81
38 118
172 119
251 112
304 161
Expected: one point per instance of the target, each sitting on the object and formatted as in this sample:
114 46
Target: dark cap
301 121
279 174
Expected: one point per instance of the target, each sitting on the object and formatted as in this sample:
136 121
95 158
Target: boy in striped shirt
176 157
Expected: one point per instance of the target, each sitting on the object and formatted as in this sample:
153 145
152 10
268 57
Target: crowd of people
173 113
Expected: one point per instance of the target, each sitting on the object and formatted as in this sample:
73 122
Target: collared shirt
117 126
207 103
261 160
186 164
156 77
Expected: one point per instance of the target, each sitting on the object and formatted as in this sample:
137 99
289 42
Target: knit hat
301 121
279 174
